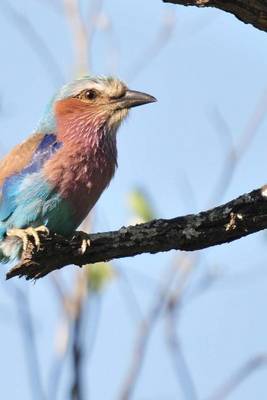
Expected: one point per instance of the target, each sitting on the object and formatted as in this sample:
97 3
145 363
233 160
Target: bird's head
90 101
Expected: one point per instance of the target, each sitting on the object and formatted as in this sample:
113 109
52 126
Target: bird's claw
23 234
85 241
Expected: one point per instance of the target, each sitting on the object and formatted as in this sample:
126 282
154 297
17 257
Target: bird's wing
24 159
19 157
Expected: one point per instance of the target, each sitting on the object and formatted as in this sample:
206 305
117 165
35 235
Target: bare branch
249 11
240 217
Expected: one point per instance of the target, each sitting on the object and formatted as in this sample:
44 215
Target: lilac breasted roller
51 181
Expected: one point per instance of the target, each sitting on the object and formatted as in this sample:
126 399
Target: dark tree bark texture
240 217
249 11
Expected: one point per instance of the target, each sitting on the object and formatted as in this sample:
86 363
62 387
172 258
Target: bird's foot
85 241
24 234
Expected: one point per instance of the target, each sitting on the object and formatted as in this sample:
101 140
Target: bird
50 182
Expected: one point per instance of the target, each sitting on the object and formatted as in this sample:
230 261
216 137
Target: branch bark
240 217
249 11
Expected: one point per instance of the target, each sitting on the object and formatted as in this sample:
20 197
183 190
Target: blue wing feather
28 179
47 147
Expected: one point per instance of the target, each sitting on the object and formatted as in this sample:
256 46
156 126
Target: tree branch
249 11
240 217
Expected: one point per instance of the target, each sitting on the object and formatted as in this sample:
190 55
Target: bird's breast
81 175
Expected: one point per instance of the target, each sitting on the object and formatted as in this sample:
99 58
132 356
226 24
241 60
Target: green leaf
98 275
141 205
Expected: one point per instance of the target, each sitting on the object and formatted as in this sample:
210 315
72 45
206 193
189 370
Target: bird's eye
90 94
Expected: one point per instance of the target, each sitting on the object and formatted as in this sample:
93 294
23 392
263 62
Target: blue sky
211 61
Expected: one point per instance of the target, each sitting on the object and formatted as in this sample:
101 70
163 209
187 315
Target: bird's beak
132 98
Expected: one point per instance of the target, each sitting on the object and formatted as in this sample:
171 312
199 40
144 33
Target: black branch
240 217
249 11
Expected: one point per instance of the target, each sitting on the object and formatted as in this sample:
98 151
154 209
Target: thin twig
63 338
180 365
29 343
143 335
160 40
92 23
128 294
186 265
236 153
243 373
79 33
77 356
34 39
77 351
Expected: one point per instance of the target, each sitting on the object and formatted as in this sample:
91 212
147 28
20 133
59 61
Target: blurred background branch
238 377
79 34
35 40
